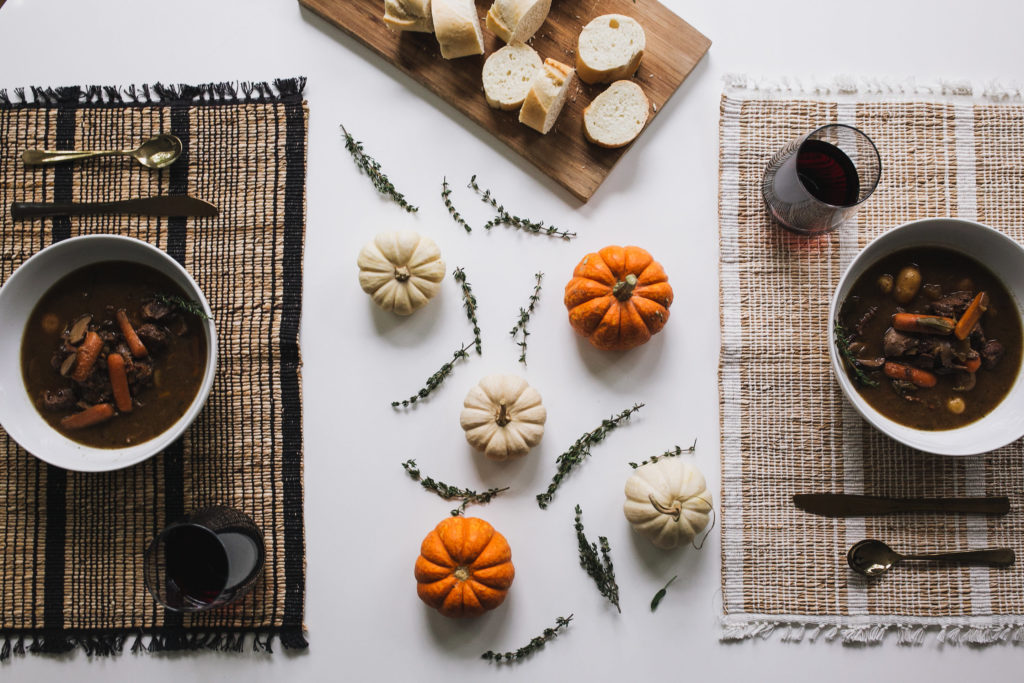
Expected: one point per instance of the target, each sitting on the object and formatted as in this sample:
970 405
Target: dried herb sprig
371 168
190 306
580 450
599 567
843 344
469 301
518 222
434 381
667 454
448 492
456 216
536 643
524 317
659 596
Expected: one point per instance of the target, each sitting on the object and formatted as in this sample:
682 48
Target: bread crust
544 102
457 27
515 21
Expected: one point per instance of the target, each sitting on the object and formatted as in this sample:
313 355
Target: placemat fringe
872 633
744 85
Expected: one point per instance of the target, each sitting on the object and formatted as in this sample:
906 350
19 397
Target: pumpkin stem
461 573
502 419
402 273
674 512
623 289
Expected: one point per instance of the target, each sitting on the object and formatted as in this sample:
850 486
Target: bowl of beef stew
925 336
107 352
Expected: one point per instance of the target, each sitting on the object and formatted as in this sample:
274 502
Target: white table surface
364 517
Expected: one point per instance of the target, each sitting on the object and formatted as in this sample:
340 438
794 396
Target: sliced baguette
547 95
457 27
610 48
515 21
617 115
508 75
408 15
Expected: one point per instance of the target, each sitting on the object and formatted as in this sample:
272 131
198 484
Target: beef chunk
61 399
952 305
991 354
152 336
940 349
141 371
154 310
896 344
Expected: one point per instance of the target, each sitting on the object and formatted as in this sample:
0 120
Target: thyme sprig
448 492
524 317
580 450
190 306
536 643
599 567
434 381
469 301
372 169
456 216
843 344
667 454
503 217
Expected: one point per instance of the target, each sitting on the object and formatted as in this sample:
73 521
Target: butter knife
848 505
166 205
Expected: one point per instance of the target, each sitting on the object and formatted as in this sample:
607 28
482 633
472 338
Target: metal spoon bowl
874 558
157 152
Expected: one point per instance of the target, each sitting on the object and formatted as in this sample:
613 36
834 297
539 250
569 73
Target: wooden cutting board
673 49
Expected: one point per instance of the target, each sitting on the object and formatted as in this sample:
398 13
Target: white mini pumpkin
503 416
401 271
667 501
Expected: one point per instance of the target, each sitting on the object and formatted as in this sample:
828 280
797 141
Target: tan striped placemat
785 426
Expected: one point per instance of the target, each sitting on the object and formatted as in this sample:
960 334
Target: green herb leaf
667 454
456 216
517 222
469 301
524 317
599 567
535 644
372 169
448 492
843 344
661 594
190 306
435 380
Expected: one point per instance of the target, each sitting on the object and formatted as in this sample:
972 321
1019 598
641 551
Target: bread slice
457 27
547 95
508 75
408 15
617 115
610 48
515 21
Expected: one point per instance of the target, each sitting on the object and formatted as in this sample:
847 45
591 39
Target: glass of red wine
209 559
816 182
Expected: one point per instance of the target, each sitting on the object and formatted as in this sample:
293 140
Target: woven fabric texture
71 544
785 427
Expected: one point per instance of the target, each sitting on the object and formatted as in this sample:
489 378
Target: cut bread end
515 21
617 115
547 95
457 27
610 48
508 75
408 15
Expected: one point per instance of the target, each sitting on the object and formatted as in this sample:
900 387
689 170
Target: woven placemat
71 543
785 426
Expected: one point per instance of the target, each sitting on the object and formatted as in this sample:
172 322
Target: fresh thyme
448 492
580 450
371 168
434 381
667 454
190 306
456 216
599 567
524 317
469 301
843 344
661 594
535 643
506 218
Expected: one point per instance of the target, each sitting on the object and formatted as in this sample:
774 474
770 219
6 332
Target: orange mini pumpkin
618 297
464 568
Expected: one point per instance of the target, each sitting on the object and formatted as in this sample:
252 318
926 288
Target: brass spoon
157 152
874 558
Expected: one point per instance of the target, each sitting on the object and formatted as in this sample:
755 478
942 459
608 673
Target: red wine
827 173
196 563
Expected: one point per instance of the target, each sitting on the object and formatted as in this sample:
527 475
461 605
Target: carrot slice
86 356
119 382
134 343
921 378
926 324
971 316
93 415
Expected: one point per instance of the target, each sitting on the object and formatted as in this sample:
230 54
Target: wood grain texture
673 49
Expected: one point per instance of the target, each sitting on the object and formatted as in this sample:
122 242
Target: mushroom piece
78 329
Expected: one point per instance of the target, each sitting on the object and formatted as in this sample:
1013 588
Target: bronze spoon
874 558
157 152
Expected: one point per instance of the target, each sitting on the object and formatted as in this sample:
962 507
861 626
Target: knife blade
848 505
164 205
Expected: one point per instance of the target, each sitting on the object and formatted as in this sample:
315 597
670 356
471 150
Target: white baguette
610 48
457 27
408 15
508 75
515 21
547 95
617 115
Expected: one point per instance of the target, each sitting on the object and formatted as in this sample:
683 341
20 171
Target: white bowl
18 298
1002 256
